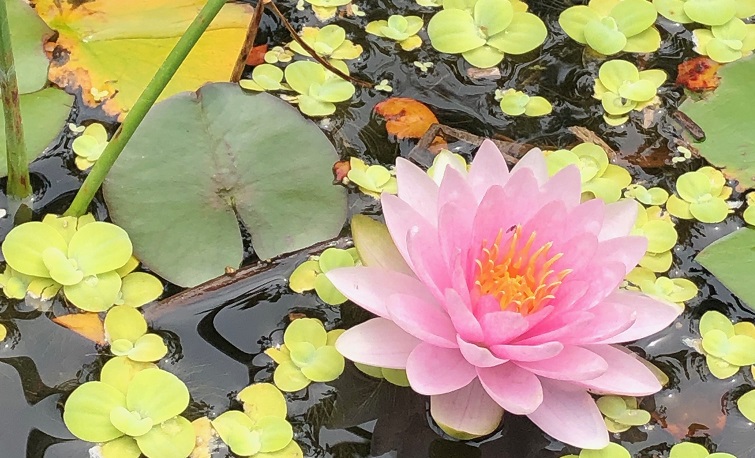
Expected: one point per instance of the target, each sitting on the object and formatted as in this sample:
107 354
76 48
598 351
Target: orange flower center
521 279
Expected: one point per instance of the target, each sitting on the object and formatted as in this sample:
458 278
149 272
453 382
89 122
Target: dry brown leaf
405 117
698 74
88 325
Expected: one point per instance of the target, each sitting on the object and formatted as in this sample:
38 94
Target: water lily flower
505 297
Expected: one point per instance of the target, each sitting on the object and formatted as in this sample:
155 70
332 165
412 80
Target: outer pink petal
433 370
602 278
570 415
423 320
469 409
626 375
377 342
455 189
478 356
627 250
652 315
619 219
608 319
416 188
533 160
560 325
565 186
513 388
587 217
464 321
488 169
370 287
427 260
537 352
572 363
455 225
400 218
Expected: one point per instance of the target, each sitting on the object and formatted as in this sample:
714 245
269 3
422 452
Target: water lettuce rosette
506 297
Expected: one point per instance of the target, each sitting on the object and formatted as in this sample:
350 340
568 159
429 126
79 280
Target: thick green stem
19 186
137 113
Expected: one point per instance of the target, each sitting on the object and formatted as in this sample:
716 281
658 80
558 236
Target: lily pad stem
145 101
19 186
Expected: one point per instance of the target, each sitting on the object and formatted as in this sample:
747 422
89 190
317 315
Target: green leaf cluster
126 332
726 346
261 430
399 28
89 260
444 159
613 450
395 376
621 88
89 146
692 450
706 12
600 178
372 180
319 89
308 354
516 103
656 225
133 409
483 31
746 405
326 9
310 275
652 196
613 26
727 42
329 42
701 195
621 413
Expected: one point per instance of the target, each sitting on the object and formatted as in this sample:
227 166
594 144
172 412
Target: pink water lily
506 298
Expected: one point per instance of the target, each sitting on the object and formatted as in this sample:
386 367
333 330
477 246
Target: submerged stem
141 107
19 186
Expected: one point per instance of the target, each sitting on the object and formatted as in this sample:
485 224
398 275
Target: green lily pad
725 117
717 258
177 187
28 33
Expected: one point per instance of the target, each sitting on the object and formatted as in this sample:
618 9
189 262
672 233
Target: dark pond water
217 343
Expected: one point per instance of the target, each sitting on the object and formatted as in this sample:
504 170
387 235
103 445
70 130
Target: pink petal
488 169
454 189
426 259
423 320
455 223
500 327
587 217
416 188
572 363
533 160
502 208
577 253
652 315
565 186
570 415
603 278
627 250
626 375
560 325
527 352
377 342
546 223
476 355
370 287
619 219
400 218
433 370
608 319
464 321
513 388
470 410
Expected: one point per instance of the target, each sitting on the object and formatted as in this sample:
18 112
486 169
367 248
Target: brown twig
246 48
236 278
313 53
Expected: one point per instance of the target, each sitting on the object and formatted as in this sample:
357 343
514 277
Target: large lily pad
736 275
114 46
198 159
28 33
726 117
43 114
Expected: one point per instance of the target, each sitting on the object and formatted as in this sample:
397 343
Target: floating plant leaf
717 258
177 187
746 405
725 117
28 33
692 450
613 450
116 47
90 145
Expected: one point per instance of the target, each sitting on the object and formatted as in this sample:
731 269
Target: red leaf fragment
698 74
256 55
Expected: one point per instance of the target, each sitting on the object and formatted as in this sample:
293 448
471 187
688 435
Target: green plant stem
137 113
19 186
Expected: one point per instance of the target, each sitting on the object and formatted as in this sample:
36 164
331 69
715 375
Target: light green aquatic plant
329 42
126 332
656 225
621 413
444 159
372 180
613 450
727 42
265 77
746 405
326 9
706 12
700 195
89 145
749 213
612 26
261 429
310 275
394 376
133 408
484 31
516 103
652 196
692 450
621 88
726 346
600 178
677 290
319 89
307 355
278 54
402 29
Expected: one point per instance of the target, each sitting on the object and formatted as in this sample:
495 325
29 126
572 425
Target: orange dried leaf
340 170
406 118
87 325
256 55
698 74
